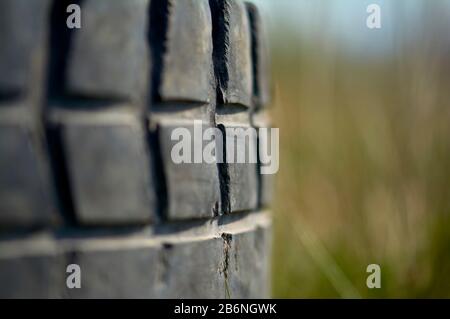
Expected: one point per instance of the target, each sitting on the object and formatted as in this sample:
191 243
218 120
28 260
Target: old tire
85 171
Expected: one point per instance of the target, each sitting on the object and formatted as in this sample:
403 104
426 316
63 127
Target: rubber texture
86 175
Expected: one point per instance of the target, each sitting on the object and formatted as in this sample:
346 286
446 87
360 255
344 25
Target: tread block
193 190
187 62
243 179
110 181
193 270
200 263
25 198
267 189
260 58
207 268
21 43
116 273
232 45
266 181
109 56
249 263
243 187
39 276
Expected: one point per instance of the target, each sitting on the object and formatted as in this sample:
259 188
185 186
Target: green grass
364 172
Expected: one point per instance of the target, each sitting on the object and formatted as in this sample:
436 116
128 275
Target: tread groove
61 179
60 44
60 41
220 29
159 20
157 170
254 51
224 176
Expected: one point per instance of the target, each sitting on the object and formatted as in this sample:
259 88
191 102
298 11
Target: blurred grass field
364 167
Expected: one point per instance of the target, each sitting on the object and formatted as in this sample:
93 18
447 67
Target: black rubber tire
85 171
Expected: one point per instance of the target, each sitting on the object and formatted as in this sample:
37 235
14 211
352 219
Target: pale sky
345 20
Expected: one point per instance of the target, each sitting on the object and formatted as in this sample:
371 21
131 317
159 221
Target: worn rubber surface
86 175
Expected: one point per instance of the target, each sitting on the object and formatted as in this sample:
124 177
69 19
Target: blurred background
364 122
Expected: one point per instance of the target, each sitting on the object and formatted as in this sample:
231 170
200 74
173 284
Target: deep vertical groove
157 35
220 31
158 175
224 176
253 20
252 15
60 42
220 28
58 162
